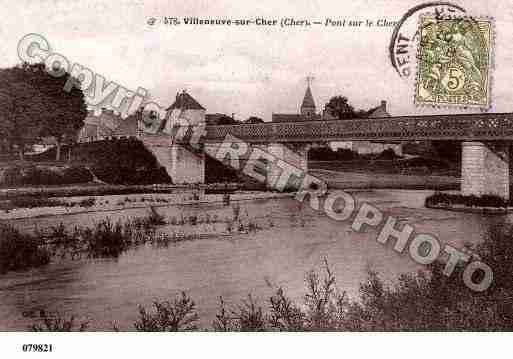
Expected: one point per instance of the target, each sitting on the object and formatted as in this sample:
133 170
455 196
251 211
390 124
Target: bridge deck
481 126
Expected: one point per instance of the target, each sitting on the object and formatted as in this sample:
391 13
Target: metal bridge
468 127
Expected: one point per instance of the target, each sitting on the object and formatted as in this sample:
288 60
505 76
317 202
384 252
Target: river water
293 240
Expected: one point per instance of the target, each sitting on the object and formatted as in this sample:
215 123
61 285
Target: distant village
108 124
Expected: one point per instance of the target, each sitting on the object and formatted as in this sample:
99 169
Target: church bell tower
308 105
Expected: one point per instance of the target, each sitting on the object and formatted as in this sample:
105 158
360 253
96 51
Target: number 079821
41 348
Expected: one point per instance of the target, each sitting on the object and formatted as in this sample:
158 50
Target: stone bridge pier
485 168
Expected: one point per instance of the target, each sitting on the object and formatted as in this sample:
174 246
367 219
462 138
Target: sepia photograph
218 167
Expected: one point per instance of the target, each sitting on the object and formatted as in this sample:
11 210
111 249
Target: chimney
383 105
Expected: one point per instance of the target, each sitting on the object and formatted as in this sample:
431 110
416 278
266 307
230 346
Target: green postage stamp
454 62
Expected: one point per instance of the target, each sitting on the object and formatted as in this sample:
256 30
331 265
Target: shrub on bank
106 239
179 315
31 175
49 322
34 201
20 251
446 199
42 201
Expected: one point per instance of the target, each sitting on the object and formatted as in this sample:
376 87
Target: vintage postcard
273 166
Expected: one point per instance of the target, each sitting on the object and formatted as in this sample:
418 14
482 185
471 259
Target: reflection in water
294 240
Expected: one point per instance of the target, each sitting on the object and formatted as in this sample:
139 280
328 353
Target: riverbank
103 198
110 203
357 180
94 189
487 204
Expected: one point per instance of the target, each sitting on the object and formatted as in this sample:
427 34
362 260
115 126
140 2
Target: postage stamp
454 62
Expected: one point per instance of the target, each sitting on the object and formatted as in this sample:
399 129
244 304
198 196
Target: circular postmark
401 48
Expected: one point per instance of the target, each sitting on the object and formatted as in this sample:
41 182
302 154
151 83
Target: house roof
184 101
308 101
377 112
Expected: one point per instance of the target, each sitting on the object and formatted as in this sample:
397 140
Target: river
293 240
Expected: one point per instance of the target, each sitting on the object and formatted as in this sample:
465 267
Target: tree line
34 105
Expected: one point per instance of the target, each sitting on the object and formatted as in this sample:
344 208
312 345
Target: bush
107 239
77 174
35 201
56 323
20 251
43 175
445 199
168 317
88 202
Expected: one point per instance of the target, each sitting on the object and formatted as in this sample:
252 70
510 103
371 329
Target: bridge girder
482 126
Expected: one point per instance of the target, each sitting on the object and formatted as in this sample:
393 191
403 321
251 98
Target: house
371 147
128 128
99 127
374 147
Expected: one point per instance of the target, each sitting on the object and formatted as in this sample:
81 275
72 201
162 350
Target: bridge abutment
187 165
485 169
182 164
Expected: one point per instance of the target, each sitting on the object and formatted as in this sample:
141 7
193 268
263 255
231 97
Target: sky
243 70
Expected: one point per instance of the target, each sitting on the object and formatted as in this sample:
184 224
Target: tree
226 120
448 150
36 105
339 108
254 120
21 105
64 111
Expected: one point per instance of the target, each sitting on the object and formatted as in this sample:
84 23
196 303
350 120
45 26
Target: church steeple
308 105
